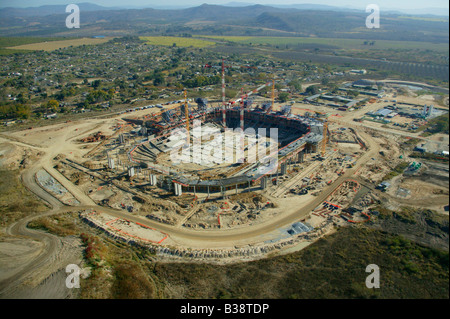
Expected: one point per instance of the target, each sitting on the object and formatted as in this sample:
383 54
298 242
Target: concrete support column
178 189
301 157
283 168
264 182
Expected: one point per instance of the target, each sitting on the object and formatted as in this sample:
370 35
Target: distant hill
422 12
272 21
255 20
321 7
238 4
48 10
312 6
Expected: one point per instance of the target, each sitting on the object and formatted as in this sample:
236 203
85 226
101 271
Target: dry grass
54 45
179 42
60 225
333 267
16 201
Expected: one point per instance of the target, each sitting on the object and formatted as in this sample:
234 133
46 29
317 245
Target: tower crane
186 117
324 139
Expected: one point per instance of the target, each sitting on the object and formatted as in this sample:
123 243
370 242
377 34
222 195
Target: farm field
178 41
424 18
54 45
7 42
15 41
10 51
339 43
410 58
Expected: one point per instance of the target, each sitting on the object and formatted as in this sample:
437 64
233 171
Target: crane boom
273 96
224 120
244 96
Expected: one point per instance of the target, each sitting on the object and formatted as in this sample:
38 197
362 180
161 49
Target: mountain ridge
254 20
88 6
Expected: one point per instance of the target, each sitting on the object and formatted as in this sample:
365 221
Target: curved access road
250 232
51 244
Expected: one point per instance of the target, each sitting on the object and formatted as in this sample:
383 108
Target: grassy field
226 38
424 18
16 201
336 42
8 44
396 171
178 41
333 267
58 44
15 41
10 51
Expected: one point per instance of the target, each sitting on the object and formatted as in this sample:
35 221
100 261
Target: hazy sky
388 4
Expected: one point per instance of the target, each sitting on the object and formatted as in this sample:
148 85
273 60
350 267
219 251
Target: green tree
23 111
334 89
283 97
158 79
297 85
312 90
95 84
21 98
52 105
353 93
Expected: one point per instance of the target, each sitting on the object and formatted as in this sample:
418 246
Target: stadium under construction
151 153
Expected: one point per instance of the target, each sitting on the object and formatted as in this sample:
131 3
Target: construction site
226 180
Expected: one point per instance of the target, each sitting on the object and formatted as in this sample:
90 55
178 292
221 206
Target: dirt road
50 245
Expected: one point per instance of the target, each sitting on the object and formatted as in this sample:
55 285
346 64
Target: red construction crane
224 120
186 117
252 92
273 97
243 96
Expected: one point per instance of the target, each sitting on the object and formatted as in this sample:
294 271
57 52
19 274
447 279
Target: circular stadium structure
221 149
